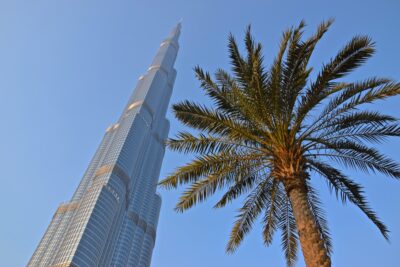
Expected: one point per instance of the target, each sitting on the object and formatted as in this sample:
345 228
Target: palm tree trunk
312 244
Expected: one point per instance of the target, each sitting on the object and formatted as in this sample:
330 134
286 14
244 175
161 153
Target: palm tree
270 130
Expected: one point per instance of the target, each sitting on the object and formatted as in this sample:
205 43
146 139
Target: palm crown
270 130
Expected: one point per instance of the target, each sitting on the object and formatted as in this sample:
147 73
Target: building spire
175 32
163 63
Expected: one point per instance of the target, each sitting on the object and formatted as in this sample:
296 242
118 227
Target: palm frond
356 155
289 235
245 180
211 121
273 212
354 119
349 91
274 82
220 91
254 204
370 133
204 166
356 52
239 65
353 95
356 123
206 144
348 190
319 217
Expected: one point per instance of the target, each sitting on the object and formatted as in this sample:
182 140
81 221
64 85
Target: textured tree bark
312 244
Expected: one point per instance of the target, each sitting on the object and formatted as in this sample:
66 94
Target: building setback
112 217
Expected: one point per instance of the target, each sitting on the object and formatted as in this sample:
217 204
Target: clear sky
67 69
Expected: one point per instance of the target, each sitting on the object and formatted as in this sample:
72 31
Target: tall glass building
112 217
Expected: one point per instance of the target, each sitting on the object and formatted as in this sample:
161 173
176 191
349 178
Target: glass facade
112 217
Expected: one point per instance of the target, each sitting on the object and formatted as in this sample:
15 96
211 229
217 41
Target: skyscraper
112 217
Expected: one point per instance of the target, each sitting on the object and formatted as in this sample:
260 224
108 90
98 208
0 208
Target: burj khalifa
112 217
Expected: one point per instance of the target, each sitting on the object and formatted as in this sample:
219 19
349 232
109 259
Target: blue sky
68 67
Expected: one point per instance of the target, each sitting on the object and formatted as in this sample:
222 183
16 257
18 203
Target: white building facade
112 217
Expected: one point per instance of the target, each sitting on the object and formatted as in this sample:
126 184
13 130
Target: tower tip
179 25
176 31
